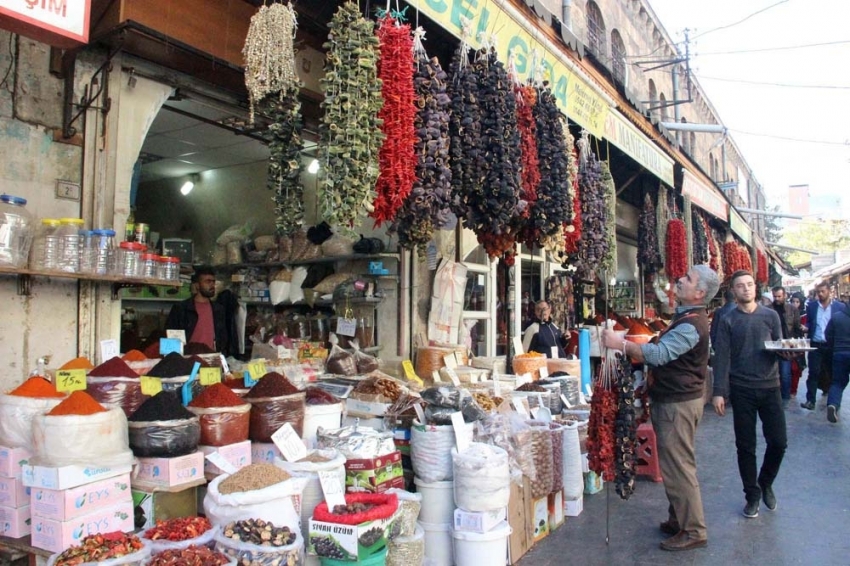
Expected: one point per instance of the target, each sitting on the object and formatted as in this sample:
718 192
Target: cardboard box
67 504
573 507
56 536
170 472
374 474
67 477
11 460
264 452
478 521
540 518
13 493
152 506
15 522
556 510
350 539
239 456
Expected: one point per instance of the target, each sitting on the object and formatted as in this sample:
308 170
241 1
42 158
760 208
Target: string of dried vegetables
284 174
609 260
677 252
700 238
397 158
761 271
428 205
349 132
648 254
625 430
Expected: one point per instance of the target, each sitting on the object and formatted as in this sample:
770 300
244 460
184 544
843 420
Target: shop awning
623 134
708 198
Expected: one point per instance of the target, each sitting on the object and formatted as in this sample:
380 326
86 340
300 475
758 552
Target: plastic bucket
377 559
473 549
438 544
328 417
438 501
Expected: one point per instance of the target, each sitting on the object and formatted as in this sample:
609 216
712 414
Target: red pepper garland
397 157
677 250
761 273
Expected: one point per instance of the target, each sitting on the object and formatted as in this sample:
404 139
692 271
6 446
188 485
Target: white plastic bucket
474 549
438 501
315 416
438 544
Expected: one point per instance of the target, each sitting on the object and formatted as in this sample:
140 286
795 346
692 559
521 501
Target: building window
595 31
618 57
653 99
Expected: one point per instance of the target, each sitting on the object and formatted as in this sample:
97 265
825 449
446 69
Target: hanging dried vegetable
700 238
648 254
609 260
349 133
677 250
467 157
762 271
397 158
284 174
428 205
269 53
625 430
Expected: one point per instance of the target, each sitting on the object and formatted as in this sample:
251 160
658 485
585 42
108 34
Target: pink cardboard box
13 493
238 455
15 522
56 536
11 460
170 472
68 504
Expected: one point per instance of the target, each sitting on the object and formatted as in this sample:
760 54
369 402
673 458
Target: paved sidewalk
811 525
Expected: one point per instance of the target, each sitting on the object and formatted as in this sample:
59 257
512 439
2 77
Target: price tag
168 345
289 444
523 379
450 360
209 376
518 346
346 326
108 349
435 375
521 407
70 380
410 373
257 369
566 401
332 487
150 385
224 366
221 462
544 372
420 414
459 426
176 335
555 352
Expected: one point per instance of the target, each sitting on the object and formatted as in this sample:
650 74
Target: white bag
431 450
573 477
136 559
16 415
312 494
278 503
482 478
99 440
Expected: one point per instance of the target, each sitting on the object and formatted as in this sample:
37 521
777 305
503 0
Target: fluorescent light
187 188
313 168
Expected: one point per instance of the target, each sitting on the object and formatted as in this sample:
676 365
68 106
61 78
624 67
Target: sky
819 114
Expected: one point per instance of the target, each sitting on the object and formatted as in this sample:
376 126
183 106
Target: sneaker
808 405
751 509
832 413
768 497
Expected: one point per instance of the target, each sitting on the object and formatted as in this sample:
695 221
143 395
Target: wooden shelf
118 281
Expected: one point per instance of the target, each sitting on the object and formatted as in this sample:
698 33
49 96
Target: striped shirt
671 345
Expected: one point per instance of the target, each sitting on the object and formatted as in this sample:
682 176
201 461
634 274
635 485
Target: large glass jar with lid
16 231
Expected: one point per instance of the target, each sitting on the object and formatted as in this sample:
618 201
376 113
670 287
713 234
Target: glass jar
69 244
104 245
16 231
130 259
45 250
150 263
169 268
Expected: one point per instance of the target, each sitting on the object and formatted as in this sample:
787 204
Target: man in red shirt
203 319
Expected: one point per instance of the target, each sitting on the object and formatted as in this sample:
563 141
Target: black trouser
817 359
766 404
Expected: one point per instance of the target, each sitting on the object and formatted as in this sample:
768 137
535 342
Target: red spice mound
218 395
116 367
36 386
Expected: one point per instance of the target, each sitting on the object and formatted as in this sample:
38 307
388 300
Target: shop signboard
501 22
60 23
704 196
740 226
623 134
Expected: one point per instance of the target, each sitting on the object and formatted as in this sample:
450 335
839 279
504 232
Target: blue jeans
785 378
840 377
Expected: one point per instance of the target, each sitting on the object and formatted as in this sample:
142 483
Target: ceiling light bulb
313 168
187 188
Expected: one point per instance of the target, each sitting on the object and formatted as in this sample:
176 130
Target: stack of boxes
15 519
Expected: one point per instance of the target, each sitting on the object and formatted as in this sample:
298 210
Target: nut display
259 532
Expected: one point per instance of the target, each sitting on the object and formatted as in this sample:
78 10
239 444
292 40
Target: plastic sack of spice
431 449
262 555
409 505
94 546
20 406
278 503
163 428
98 439
541 442
224 416
482 478
180 533
407 549
340 362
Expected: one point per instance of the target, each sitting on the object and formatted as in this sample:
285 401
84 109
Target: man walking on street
748 373
789 318
679 364
818 315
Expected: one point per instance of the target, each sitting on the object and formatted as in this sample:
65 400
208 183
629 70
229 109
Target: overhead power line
727 26
789 85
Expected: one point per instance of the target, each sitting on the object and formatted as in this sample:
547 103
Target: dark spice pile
116 367
272 385
175 365
164 406
318 396
191 556
218 395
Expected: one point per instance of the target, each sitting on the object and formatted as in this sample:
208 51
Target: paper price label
289 444
544 372
70 380
566 401
453 376
555 352
257 368
108 349
459 426
176 335
409 372
150 385
221 463
518 346
450 360
169 345
521 407
332 487
346 326
209 376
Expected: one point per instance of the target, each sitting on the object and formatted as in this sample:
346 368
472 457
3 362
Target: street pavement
811 525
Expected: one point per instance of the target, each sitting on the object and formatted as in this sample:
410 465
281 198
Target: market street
810 525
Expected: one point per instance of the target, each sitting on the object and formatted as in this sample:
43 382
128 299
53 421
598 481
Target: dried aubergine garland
427 207
349 133
467 157
609 260
648 255
700 238
397 159
625 430
677 250
284 175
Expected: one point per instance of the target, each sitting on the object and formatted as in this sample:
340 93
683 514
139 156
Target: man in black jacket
203 319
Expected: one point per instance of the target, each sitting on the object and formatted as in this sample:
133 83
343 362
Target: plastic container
221 426
438 501
169 268
164 439
439 549
45 250
129 259
315 416
377 559
149 265
69 244
474 549
104 251
17 227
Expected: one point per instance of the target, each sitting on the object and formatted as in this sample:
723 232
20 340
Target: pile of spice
318 396
218 395
272 384
175 365
259 532
252 477
77 403
179 529
191 556
99 548
116 367
134 356
78 363
164 406
36 386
